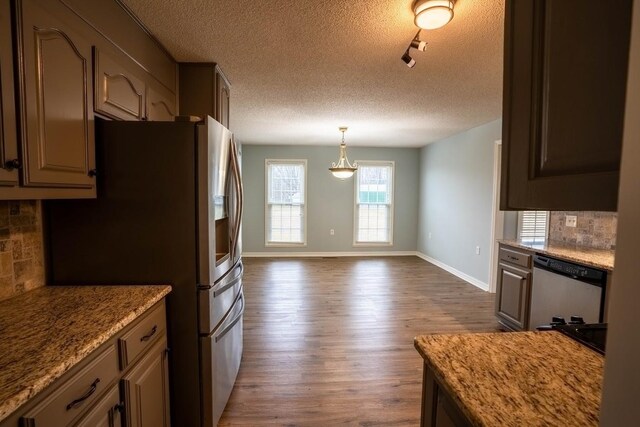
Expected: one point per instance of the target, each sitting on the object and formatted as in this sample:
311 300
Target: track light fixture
408 60
419 45
416 44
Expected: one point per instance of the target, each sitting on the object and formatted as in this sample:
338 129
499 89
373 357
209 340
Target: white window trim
267 243
392 204
519 229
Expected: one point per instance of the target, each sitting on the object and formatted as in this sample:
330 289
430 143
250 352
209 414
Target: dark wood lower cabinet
102 391
513 295
146 390
513 290
438 408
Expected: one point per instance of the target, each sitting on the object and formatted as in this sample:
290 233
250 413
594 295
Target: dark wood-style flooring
329 341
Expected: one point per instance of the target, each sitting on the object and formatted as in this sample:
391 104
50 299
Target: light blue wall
456 179
330 200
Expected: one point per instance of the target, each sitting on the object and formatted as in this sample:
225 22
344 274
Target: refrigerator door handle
239 195
225 286
230 322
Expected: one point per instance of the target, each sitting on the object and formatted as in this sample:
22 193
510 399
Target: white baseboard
324 254
475 282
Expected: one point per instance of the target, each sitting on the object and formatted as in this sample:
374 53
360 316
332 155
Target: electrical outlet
571 221
429 235
332 232
477 250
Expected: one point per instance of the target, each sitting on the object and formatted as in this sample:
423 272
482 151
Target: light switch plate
571 221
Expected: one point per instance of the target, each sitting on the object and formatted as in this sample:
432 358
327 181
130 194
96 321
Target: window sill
372 244
284 245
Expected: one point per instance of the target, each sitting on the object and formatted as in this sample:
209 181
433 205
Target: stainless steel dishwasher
565 289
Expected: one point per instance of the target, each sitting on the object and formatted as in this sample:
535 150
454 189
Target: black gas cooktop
592 335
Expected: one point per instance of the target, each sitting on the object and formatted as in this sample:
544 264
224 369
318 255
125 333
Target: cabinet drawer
138 339
515 257
77 394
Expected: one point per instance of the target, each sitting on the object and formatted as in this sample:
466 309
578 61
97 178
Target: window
533 225
374 203
285 210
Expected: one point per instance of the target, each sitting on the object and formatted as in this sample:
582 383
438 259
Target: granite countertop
517 378
47 331
598 258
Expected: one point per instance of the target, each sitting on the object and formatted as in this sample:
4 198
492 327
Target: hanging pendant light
343 169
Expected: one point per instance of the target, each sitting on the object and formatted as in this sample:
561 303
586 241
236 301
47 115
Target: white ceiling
301 68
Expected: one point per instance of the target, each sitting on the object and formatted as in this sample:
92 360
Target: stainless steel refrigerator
168 210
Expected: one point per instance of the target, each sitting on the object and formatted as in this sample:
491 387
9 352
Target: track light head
419 44
408 60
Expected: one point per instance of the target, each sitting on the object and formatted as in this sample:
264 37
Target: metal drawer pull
150 334
116 409
77 402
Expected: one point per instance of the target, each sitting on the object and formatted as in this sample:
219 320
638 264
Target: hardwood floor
329 341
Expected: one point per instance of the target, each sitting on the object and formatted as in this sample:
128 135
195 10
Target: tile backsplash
21 252
593 229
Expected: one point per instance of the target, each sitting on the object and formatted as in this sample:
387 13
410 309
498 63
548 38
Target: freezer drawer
216 301
221 353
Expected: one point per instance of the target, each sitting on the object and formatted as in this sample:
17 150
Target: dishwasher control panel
570 269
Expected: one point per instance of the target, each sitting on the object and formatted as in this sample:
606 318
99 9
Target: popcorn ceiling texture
21 254
299 69
593 230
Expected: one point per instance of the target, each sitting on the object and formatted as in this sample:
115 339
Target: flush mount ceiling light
343 169
432 14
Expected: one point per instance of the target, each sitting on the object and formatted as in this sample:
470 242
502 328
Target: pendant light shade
432 14
343 169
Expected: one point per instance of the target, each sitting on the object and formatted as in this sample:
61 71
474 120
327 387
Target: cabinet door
8 140
146 390
512 296
56 101
118 93
105 413
223 98
565 71
161 104
197 94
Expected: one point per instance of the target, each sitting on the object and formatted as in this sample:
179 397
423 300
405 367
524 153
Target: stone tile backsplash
21 251
593 229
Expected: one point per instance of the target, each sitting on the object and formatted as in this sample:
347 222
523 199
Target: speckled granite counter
517 378
45 332
599 258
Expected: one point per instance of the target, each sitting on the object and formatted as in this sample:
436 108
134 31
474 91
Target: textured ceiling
301 68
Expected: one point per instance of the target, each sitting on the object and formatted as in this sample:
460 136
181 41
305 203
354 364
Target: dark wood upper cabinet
8 139
118 93
565 73
161 104
56 116
204 90
223 95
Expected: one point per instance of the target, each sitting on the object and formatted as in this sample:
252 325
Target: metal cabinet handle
12 164
78 401
150 334
92 173
116 409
